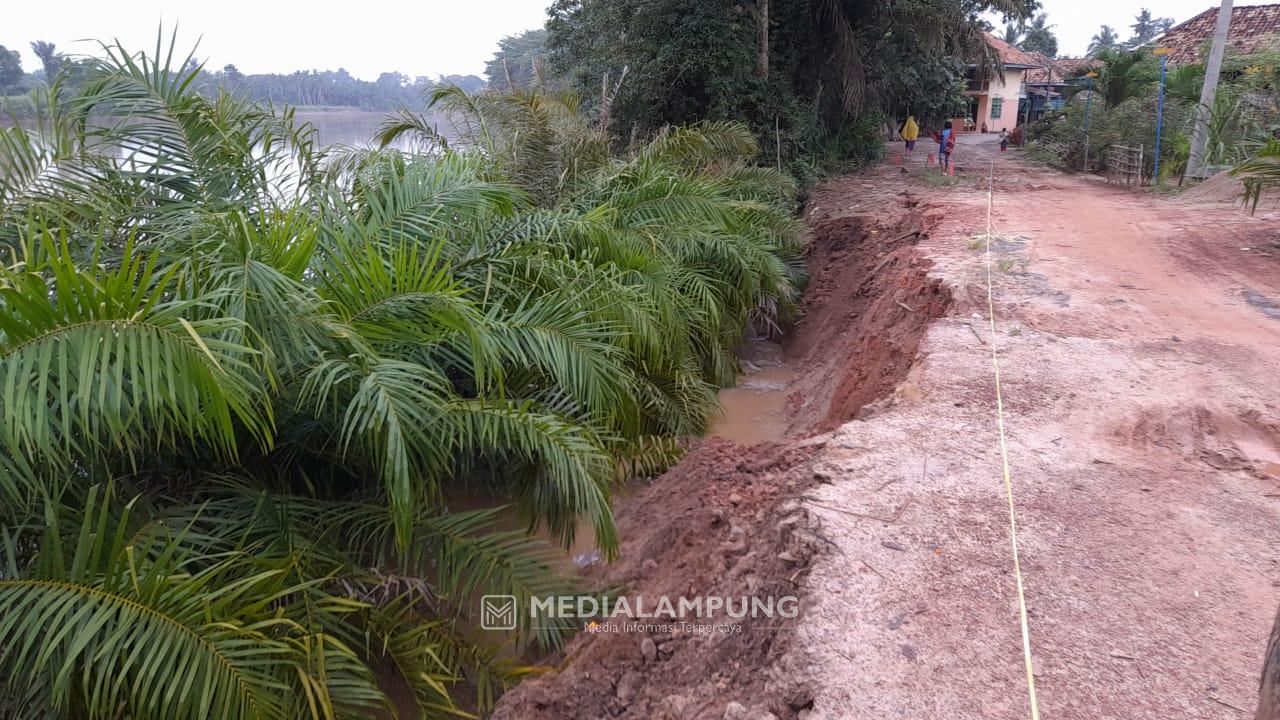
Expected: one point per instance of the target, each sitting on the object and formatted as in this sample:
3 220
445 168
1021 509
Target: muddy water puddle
756 410
752 412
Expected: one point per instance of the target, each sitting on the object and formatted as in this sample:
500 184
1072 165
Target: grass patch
935 178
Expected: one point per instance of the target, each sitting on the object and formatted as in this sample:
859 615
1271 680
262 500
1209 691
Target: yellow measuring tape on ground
1004 458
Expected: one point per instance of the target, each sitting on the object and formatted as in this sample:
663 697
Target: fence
1125 165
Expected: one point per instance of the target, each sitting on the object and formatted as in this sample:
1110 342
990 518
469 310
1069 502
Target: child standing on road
946 143
1004 140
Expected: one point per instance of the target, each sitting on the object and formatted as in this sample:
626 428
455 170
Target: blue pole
1159 120
1088 105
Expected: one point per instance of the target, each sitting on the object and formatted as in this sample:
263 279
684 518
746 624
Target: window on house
997 104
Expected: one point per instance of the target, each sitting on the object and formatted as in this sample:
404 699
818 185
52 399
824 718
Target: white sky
422 37
1075 22
426 37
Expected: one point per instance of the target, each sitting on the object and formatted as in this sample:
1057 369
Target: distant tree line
333 88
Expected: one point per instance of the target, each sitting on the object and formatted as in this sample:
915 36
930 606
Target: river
338 126
353 128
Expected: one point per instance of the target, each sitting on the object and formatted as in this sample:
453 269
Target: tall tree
1145 27
10 70
1105 39
1039 37
49 58
762 19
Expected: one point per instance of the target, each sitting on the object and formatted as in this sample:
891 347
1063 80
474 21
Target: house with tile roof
994 95
1047 85
1253 28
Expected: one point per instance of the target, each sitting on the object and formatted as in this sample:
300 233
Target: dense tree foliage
826 63
1035 36
519 63
10 70
243 381
1245 113
1039 37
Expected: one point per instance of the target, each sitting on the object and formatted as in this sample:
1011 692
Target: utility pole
1088 106
1164 61
1200 133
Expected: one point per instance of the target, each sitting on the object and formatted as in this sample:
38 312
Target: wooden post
777 139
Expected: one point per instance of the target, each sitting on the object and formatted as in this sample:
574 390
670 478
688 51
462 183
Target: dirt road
1139 342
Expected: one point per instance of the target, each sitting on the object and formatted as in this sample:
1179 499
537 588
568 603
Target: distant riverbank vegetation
245 382
321 89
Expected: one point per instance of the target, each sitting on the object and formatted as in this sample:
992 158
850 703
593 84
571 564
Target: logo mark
498 612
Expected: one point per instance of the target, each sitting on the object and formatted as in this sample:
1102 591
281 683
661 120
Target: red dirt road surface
1139 346
1139 343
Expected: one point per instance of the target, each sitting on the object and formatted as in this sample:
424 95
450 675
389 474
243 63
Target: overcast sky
422 37
1076 21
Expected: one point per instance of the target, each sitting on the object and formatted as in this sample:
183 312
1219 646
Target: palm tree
1119 79
1013 33
1039 37
242 381
1144 27
1260 173
1105 39
49 58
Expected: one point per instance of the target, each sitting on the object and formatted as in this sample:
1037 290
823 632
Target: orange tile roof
1253 28
1060 71
1010 55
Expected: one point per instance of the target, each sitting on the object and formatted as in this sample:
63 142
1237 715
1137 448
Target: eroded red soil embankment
726 520
869 304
